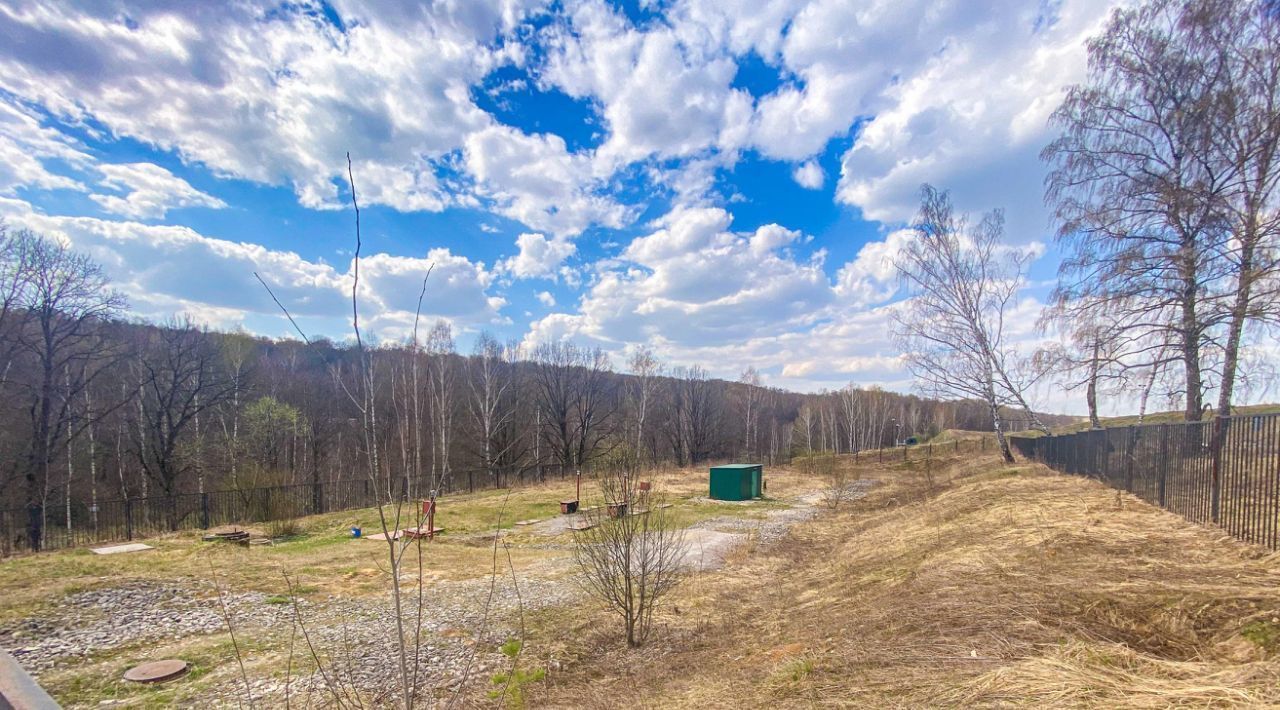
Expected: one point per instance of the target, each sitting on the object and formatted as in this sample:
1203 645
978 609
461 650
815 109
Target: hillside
997 586
1168 417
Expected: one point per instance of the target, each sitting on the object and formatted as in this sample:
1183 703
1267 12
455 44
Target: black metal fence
1224 471
56 526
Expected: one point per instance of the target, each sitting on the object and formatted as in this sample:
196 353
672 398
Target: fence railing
1224 471
52 527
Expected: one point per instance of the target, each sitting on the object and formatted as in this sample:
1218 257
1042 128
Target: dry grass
976 585
323 560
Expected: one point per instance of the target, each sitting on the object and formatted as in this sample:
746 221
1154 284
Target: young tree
961 282
632 561
645 369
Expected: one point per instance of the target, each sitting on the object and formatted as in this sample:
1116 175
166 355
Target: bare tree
695 411
1244 38
575 408
182 378
961 283
491 403
441 351
751 395
1162 177
67 303
631 561
645 369
854 412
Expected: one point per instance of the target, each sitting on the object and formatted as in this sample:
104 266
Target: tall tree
67 303
183 375
1162 177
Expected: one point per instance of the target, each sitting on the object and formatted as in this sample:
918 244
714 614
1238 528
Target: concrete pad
707 549
117 549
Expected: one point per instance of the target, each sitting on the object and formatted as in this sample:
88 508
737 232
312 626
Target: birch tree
961 283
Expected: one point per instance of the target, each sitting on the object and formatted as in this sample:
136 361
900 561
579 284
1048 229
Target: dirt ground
971 584
958 582
78 620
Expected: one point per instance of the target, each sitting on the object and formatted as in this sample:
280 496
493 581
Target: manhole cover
156 671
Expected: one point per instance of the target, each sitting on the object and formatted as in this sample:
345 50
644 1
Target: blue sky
723 181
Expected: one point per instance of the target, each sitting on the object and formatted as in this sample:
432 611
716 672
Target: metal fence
1225 471
55 526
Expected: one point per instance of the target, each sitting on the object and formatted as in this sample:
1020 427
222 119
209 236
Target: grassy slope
991 586
1150 418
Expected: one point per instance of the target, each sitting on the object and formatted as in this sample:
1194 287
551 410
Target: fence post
317 497
204 511
471 481
128 518
1164 457
1164 467
35 531
1219 441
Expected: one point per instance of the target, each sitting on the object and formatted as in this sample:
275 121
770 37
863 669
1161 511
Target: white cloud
170 269
809 174
534 179
539 257
25 145
871 277
275 95
972 117
546 299
693 282
151 191
660 93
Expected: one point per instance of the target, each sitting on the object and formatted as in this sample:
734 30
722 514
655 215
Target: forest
101 407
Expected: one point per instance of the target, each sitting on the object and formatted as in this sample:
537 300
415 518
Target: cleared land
79 619
970 583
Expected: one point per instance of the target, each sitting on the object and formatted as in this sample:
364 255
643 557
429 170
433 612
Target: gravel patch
107 619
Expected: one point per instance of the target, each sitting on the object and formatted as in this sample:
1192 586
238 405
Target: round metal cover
156 671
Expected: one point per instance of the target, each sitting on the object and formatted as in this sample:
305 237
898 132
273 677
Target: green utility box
736 481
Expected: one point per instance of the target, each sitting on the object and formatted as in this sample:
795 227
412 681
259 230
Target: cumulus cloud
661 94
272 94
809 174
972 117
536 180
539 256
692 282
176 269
151 191
546 299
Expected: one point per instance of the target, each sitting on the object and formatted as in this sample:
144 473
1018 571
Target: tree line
101 407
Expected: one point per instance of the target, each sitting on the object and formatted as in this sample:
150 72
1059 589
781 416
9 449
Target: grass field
986 585
325 564
969 583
